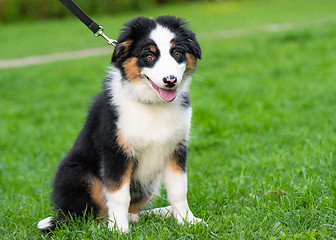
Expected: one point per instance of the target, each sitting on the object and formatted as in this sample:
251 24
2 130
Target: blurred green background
16 10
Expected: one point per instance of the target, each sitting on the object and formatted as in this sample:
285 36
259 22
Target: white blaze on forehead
162 37
166 65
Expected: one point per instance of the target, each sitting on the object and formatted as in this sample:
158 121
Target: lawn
262 149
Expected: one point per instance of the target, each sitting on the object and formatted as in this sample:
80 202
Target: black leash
92 25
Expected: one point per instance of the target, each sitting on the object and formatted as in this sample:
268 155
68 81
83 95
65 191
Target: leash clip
109 40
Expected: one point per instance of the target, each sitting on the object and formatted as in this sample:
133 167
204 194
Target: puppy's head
156 57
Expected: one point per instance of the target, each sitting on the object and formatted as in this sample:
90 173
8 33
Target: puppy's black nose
170 81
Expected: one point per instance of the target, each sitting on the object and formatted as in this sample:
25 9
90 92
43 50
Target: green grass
264 119
70 34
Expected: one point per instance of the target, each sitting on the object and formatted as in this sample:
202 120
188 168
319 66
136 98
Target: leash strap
92 25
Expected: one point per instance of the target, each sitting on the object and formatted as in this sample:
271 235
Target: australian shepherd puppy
135 131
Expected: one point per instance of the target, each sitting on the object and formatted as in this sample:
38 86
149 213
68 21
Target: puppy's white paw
133 217
187 218
195 220
122 228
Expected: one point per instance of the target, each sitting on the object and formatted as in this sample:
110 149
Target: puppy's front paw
122 228
195 220
187 218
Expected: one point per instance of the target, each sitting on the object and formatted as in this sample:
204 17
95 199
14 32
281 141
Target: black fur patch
186 100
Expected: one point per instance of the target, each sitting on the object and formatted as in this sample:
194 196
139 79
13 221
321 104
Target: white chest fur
152 132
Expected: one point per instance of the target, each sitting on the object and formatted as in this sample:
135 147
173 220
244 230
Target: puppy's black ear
133 29
121 49
194 47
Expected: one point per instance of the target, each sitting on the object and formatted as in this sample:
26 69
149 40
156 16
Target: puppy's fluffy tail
48 224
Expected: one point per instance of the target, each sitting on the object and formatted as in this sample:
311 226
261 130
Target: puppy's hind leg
163 211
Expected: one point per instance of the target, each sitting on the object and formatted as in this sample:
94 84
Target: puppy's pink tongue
167 95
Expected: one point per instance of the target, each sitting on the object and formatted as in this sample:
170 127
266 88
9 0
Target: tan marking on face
96 192
113 186
152 48
132 70
136 206
122 143
172 45
191 64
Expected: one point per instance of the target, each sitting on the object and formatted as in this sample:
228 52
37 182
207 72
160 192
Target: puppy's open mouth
165 94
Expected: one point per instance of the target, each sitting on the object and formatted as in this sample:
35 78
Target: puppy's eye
177 54
150 57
